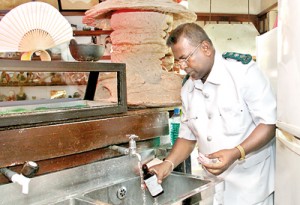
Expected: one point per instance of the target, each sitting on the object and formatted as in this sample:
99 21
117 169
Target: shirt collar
198 84
216 73
215 76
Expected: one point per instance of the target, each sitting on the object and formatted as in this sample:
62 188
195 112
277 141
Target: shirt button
206 95
209 138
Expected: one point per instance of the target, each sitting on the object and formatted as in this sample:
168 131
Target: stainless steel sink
73 201
112 181
177 188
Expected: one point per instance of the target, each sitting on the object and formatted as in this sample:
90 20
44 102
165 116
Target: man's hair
192 31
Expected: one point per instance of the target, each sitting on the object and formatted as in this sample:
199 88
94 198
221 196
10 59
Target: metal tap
132 144
131 150
29 170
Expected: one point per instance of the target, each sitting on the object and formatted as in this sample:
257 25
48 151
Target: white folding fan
33 26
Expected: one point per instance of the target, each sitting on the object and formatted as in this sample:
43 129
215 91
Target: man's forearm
181 150
260 136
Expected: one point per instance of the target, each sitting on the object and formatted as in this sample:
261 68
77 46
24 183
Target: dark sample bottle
150 180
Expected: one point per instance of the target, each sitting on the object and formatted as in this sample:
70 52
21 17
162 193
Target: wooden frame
76 5
219 17
59 116
66 145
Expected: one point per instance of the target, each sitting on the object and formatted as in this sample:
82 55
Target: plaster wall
267 3
218 6
230 6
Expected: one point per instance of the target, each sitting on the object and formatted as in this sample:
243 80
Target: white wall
238 38
267 3
230 6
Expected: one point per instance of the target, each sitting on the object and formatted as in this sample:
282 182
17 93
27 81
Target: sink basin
74 201
113 181
177 188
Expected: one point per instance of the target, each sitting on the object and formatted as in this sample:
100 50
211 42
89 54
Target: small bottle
174 125
150 180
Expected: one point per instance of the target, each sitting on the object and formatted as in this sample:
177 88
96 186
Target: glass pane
32 92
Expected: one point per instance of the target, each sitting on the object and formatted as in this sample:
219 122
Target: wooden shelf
223 17
53 58
92 33
26 84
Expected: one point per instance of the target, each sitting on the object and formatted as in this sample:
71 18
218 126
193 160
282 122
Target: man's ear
207 48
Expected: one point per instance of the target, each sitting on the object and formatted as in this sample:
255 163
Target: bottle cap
177 110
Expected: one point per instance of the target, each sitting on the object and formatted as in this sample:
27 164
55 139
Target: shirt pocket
233 119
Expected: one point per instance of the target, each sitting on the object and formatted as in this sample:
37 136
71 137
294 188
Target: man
229 110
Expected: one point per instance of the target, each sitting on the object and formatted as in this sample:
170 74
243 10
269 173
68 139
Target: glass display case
35 92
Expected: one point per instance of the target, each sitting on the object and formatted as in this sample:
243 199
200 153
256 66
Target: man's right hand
162 170
179 152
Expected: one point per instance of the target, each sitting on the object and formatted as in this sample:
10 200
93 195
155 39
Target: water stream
143 187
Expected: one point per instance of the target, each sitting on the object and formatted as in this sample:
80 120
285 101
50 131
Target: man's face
194 60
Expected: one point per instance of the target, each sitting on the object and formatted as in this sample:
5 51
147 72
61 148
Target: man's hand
179 152
225 157
161 170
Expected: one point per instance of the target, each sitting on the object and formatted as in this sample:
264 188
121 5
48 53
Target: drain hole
121 193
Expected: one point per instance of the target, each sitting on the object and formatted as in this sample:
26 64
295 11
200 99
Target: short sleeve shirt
224 110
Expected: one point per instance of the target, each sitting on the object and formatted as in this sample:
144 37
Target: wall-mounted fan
33 27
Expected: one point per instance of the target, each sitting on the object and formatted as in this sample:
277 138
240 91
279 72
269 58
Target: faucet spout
132 144
17 178
137 155
29 170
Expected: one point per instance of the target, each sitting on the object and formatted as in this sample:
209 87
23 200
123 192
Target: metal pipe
29 170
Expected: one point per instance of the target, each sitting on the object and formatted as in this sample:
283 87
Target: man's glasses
184 61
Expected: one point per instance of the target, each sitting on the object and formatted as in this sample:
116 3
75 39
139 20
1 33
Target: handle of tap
133 136
29 169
